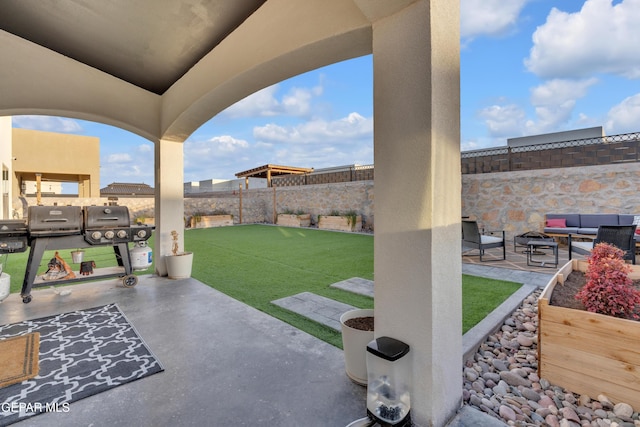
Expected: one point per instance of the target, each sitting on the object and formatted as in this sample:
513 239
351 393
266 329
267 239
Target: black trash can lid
388 348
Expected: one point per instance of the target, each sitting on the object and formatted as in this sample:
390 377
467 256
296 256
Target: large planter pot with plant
178 263
294 220
345 222
357 332
209 221
586 352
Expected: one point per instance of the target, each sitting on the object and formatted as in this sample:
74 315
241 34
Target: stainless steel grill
73 227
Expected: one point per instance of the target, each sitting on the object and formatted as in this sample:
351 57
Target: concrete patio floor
226 364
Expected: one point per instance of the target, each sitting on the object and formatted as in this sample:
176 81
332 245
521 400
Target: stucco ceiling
148 43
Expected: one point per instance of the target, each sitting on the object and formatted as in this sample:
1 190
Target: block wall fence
512 201
257 204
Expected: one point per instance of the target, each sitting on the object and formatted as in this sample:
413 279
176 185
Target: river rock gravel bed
502 380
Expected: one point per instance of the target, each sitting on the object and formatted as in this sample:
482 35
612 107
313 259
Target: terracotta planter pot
588 353
354 344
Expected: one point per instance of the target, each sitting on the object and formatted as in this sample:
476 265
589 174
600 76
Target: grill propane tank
141 256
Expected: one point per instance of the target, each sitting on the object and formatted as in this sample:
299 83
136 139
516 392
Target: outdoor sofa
561 225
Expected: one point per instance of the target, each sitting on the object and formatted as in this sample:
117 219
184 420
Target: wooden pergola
267 171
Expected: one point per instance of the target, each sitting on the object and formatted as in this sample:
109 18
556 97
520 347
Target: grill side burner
13 236
73 227
111 224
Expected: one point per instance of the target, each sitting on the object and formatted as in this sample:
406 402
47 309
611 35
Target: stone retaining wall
513 201
517 201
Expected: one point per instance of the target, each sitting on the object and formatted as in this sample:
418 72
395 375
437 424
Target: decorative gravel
502 380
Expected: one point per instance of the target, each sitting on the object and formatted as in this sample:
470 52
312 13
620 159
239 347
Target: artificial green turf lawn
257 264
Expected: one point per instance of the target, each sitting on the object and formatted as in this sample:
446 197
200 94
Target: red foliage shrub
609 290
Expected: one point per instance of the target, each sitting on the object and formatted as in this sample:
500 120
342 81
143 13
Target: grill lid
54 220
99 217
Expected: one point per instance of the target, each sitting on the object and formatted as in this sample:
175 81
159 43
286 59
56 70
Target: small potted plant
178 263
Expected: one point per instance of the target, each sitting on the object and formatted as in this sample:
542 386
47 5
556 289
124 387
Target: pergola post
418 185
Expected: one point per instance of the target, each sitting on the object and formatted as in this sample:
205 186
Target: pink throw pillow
557 223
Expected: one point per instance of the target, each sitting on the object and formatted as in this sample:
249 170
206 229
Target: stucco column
169 199
417 255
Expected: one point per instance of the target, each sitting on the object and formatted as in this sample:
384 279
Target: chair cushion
557 222
486 240
582 246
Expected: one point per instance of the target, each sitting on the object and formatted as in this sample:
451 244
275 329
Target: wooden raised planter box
588 353
208 221
340 223
292 220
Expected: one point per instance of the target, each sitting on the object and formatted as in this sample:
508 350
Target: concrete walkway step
325 310
357 285
315 307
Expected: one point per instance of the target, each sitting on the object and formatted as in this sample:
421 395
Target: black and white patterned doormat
82 353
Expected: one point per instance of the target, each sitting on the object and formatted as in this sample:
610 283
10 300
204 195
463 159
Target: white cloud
624 117
265 103
224 145
47 123
318 131
227 153
119 158
600 38
554 102
503 120
488 17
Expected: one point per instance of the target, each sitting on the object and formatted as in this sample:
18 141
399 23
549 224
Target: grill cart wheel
130 281
26 299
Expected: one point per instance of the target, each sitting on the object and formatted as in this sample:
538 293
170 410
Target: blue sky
527 67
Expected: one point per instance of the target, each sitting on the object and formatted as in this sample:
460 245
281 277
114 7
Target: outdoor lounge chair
620 236
472 238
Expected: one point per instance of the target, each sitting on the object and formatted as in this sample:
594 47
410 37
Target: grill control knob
96 235
109 234
122 234
142 233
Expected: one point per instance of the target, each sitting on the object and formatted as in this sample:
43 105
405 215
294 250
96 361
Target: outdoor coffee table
534 248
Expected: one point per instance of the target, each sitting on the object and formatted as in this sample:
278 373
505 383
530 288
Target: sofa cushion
626 219
572 220
561 230
587 230
596 220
